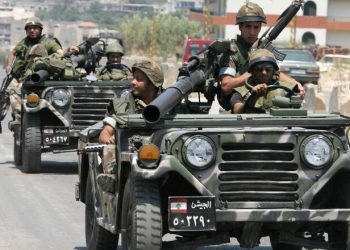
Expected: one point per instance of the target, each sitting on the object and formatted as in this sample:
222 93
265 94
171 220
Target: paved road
39 211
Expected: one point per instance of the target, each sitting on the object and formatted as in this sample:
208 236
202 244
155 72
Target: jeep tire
31 154
141 215
17 146
97 238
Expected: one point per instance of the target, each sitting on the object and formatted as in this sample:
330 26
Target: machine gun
192 77
89 52
265 41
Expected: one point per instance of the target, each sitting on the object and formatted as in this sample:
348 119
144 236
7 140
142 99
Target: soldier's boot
15 122
107 182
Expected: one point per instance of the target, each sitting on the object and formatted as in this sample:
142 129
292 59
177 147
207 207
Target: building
323 22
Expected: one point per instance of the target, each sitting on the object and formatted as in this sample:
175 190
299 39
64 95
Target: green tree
135 30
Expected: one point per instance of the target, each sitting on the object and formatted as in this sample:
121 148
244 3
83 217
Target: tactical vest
264 102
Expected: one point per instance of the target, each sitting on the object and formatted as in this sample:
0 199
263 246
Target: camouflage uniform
114 70
125 104
262 102
235 61
13 92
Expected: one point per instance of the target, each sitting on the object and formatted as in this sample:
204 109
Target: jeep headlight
199 151
317 151
60 98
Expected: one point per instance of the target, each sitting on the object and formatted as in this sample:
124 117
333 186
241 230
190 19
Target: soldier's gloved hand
259 89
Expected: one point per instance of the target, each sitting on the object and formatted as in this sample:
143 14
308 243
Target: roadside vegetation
163 34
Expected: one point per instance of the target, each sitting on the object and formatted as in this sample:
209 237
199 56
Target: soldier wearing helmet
19 55
146 85
233 64
264 72
114 69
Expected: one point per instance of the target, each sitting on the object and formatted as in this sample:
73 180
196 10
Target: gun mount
191 78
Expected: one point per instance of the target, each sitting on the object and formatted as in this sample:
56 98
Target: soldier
146 85
33 28
114 69
264 72
233 72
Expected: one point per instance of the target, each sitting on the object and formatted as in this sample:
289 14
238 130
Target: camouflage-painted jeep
284 174
53 113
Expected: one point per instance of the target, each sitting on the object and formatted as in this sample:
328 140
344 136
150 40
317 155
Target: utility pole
293 31
207 22
153 46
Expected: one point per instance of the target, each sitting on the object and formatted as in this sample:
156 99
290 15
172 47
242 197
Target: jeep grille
89 105
258 172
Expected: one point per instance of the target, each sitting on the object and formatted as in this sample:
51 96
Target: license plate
298 71
192 213
56 136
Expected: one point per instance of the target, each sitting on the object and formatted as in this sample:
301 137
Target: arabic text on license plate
298 71
192 213
56 139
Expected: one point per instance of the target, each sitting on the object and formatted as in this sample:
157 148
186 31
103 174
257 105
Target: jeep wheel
17 146
31 143
97 238
281 246
141 216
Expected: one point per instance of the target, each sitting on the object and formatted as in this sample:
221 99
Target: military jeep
53 113
206 178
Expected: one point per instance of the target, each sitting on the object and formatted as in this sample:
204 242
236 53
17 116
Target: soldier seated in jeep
262 87
146 86
114 69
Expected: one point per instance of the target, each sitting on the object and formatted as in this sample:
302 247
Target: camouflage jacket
123 104
236 58
22 50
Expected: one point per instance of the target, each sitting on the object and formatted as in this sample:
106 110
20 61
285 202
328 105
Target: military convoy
55 110
206 178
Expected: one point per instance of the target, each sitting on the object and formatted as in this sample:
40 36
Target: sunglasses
267 67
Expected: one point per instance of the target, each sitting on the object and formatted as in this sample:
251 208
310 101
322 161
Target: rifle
4 85
265 41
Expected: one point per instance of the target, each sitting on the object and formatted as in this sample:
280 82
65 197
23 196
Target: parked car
301 65
332 60
193 46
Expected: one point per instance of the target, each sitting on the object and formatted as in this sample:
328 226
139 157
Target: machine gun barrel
39 76
285 18
174 94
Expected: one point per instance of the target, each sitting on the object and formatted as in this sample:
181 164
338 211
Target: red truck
192 46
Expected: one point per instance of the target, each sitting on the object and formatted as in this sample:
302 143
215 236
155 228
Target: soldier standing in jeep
264 72
233 63
33 28
146 85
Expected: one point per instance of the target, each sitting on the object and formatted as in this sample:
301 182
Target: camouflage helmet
38 50
261 55
33 21
250 12
114 47
152 70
